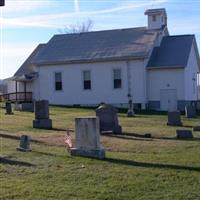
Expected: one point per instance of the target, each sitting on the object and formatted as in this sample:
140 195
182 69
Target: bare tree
79 27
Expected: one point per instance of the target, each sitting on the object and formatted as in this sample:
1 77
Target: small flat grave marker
184 134
24 143
196 128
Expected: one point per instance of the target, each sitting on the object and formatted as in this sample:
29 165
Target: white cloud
15 50
22 5
26 22
59 20
12 56
129 6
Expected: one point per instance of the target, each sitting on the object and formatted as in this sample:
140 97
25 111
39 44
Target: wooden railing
17 97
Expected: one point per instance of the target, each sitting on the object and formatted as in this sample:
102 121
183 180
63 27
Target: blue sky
26 23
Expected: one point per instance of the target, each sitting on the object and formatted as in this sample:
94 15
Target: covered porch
20 97
21 92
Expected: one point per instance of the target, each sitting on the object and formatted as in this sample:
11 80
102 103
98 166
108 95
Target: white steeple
157 18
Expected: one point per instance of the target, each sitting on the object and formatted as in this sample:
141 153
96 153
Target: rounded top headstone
104 106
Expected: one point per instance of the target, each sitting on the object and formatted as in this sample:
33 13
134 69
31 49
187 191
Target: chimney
157 18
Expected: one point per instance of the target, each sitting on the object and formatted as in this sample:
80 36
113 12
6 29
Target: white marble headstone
87 133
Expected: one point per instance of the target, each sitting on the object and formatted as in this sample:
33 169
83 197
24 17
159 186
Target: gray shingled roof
98 46
174 51
26 68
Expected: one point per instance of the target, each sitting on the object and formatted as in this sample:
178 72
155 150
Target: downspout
146 91
130 112
39 82
129 94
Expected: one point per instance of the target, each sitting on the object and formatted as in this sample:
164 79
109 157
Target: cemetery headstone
174 118
190 111
42 115
196 128
24 143
130 112
88 138
108 119
184 134
9 108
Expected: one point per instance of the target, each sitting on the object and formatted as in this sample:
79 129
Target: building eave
166 67
124 58
196 52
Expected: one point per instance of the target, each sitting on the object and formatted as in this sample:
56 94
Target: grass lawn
135 167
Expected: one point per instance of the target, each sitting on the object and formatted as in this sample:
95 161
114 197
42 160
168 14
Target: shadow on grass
15 162
136 135
50 154
127 137
61 129
51 129
187 126
15 137
151 165
58 129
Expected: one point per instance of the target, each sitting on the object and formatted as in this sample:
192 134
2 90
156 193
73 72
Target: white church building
144 64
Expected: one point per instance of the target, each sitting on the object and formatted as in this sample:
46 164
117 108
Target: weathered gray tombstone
130 112
88 138
174 118
24 143
190 111
9 108
184 134
108 119
42 115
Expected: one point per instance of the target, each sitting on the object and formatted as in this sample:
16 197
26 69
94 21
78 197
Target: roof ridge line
95 31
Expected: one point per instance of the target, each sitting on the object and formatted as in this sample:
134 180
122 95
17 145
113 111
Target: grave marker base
23 150
42 123
9 113
98 153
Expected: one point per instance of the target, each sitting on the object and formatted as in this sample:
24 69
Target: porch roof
26 78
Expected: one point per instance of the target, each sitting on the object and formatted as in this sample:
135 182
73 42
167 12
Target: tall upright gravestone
108 119
42 115
88 138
